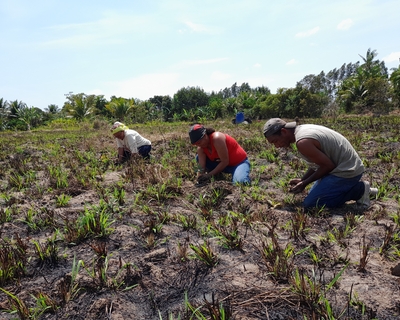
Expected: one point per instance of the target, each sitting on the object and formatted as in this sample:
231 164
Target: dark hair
209 131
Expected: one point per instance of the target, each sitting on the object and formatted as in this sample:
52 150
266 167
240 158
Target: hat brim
290 125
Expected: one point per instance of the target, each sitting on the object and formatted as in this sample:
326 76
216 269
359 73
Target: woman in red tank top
219 152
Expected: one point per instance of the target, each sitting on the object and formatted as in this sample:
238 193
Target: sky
142 48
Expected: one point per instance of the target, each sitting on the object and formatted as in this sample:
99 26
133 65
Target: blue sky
142 48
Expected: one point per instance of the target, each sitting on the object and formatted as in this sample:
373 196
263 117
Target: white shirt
132 141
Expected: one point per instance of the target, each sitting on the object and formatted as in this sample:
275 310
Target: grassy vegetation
82 238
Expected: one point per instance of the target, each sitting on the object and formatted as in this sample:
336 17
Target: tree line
360 87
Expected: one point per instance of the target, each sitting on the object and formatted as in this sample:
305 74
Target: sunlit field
82 238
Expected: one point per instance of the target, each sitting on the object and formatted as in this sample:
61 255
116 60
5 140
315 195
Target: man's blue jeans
240 173
332 191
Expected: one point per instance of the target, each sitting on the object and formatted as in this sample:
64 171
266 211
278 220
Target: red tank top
235 151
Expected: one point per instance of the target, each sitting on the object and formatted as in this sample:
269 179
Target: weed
5 215
204 253
16 181
311 292
95 221
59 176
364 257
355 302
389 241
353 220
47 253
100 266
279 261
150 240
214 309
187 222
62 200
13 259
298 223
119 194
396 218
212 198
68 286
228 233
154 225
182 251
18 305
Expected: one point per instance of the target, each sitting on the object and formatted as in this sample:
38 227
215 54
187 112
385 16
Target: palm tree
27 115
4 113
80 105
373 68
52 109
15 106
120 108
395 81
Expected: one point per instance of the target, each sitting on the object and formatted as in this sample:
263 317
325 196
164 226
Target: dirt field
84 239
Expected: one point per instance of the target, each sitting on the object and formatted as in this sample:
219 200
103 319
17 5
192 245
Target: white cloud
290 62
146 86
392 57
345 24
106 31
307 33
257 65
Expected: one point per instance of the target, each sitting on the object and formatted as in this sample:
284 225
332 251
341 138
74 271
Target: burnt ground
145 268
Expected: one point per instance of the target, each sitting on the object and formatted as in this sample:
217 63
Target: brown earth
149 274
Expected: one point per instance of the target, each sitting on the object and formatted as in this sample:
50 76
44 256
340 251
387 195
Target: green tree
31 116
15 106
163 103
372 68
246 100
13 121
297 102
80 106
217 107
187 101
4 114
120 108
152 111
395 86
52 109
100 106
367 89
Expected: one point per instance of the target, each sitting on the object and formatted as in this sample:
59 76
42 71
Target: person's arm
219 141
311 149
120 153
295 181
202 161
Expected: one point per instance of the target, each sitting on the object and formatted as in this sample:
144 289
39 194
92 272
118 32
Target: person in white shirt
129 143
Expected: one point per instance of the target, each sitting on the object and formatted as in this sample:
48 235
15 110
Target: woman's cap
273 125
117 127
196 132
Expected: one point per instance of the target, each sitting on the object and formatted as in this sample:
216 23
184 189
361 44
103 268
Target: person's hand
295 181
297 185
203 179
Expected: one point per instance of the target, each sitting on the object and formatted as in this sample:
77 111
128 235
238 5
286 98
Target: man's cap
273 125
196 132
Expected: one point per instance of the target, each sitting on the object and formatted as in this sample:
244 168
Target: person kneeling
218 152
129 142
